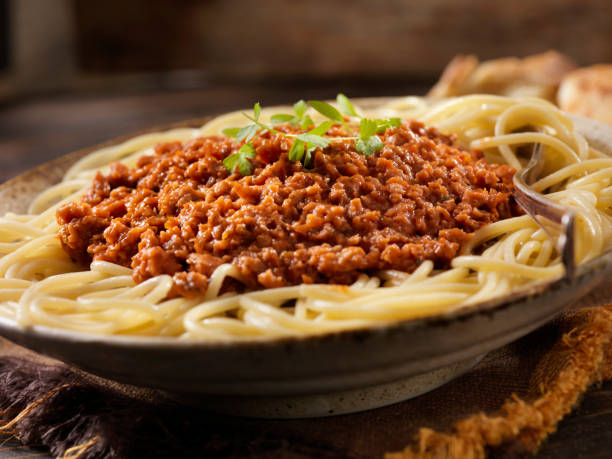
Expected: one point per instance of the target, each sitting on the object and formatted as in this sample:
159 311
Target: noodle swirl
40 285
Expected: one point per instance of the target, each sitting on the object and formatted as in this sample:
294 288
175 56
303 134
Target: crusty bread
538 75
588 92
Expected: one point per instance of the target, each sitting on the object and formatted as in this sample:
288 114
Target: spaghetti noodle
41 285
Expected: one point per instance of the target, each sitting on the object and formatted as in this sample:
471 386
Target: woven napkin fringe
582 358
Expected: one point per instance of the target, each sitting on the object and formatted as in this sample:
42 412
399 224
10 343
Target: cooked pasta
41 285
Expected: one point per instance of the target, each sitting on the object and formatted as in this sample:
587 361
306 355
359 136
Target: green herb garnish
240 160
345 105
366 143
326 110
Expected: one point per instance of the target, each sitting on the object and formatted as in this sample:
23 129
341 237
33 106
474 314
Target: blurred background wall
89 45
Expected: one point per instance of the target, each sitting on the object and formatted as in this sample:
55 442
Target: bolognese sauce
180 212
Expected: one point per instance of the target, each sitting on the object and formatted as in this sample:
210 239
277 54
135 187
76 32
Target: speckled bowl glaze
377 365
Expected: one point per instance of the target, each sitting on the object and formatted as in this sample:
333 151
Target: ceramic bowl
303 368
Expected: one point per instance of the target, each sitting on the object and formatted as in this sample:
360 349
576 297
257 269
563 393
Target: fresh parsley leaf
297 150
230 132
367 128
321 128
369 146
326 110
256 111
240 160
394 122
310 148
308 156
247 151
245 167
247 133
282 118
315 140
381 125
230 162
388 123
300 108
306 122
345 105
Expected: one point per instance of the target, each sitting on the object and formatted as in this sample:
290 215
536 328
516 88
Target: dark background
83 44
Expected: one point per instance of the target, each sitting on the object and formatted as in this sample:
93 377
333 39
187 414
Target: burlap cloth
504 407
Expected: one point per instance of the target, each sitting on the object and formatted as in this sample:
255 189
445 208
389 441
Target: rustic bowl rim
482 308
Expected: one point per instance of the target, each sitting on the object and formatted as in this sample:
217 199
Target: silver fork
556 220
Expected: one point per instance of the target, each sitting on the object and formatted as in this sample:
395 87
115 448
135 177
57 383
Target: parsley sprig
240 160
304 144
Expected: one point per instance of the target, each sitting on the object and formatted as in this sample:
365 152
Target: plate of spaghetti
300 250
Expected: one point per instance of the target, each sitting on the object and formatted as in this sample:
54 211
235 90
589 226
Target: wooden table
36 130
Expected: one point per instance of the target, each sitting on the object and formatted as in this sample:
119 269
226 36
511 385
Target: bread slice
588 92
538 75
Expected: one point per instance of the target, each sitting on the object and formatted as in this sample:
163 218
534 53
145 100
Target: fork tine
560 219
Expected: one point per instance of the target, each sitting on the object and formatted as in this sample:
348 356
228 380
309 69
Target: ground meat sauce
179 212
